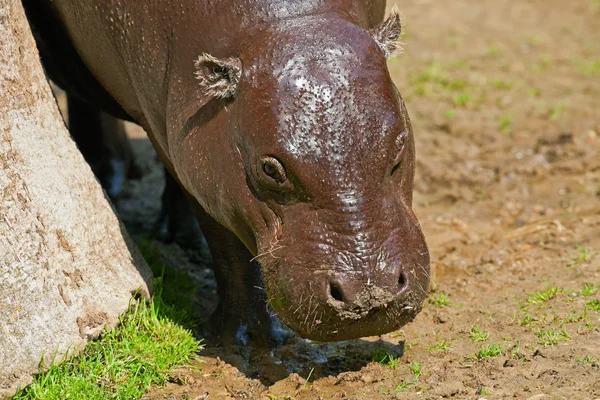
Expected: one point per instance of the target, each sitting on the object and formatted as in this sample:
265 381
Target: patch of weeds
493 52
552 336
534 92
417 370
385 359
450 114
440 345
384 391
462 100
409 345
543 296
583 255
491 350
454 85
436 79
542 64
593 305
459 64
590 326
586 360
527 320
502 84
484 391
575 317
589 289
481 195
442 299
505 123
126 361
556 112
588 68
477 334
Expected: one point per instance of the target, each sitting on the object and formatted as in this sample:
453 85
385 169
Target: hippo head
308 157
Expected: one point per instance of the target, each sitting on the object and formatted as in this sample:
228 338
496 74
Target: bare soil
505 102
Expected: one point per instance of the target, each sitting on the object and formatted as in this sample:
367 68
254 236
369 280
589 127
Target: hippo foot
259 328
113 175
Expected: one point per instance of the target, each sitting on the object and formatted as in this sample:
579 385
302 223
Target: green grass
440 345
417 370
552 336
588 68
450 114
442 299
556 112
149 341
586 360
583 255
543 296
505 123
462 99
385 359
589 289
477 334
491 350
502 84
593 305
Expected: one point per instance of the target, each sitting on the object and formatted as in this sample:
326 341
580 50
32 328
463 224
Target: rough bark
67 265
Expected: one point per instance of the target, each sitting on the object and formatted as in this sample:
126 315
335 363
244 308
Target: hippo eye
399 146
273 169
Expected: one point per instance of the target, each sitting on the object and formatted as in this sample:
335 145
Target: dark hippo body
279 120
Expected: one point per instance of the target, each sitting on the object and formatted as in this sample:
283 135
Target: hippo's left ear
219 77
387 34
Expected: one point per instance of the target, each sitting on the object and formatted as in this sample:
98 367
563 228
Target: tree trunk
67 265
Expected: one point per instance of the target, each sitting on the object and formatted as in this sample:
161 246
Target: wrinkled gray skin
291 142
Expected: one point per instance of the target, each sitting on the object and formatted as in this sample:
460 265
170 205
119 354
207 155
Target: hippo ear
219 77
388 32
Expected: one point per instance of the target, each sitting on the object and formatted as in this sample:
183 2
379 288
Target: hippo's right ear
387 34
219 77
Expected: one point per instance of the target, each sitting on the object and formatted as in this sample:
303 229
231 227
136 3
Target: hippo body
280 122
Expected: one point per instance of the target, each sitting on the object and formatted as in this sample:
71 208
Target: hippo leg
243 315
102 140
177 221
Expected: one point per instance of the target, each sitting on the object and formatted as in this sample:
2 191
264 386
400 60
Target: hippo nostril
335 292
401 281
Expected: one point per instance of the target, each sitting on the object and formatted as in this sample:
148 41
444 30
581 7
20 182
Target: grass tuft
387 360
583 255
543 296
491 350
442 299
589 289
552 336
593 305
477 334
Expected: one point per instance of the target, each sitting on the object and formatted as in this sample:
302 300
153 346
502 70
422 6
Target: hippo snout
354 299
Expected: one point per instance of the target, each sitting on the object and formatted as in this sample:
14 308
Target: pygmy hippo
280 122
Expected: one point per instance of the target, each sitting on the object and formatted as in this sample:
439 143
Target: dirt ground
505 102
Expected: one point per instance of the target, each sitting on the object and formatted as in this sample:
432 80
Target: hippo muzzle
338 275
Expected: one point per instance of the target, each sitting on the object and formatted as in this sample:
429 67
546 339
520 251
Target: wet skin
290 141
